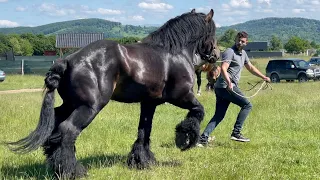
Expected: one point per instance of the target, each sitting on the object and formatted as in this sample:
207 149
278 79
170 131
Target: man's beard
240 46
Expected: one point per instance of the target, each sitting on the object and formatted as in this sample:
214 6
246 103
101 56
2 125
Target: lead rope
263 86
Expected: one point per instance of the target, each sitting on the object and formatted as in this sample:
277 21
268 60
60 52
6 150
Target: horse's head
207 47
193 31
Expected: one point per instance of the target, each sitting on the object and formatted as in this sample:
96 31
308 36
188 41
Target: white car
2 76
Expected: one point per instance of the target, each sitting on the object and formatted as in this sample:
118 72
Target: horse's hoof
199 94
81 171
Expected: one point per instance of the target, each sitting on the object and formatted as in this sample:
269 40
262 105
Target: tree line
295 44
28 44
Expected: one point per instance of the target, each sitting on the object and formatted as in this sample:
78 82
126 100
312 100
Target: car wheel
275 78
302 78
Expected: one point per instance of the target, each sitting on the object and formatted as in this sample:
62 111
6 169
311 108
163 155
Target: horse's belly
130 92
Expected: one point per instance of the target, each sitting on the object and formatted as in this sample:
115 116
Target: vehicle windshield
301 63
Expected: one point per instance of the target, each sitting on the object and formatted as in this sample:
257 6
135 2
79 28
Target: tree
4 43
296 45
227 39
314 45
26 47
275 43
14 43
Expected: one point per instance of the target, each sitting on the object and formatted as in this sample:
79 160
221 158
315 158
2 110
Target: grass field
283 127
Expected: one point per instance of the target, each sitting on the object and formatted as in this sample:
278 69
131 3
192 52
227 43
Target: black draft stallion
157 70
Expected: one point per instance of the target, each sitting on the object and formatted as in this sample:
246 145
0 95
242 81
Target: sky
15 13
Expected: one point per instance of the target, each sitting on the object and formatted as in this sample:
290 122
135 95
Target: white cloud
203 9
3 1
154 1
218 25
53 10
300 1
240 3
21 9
155 6
265 10
6 23
108 11
112 19
116 19
235 13
267 2
296 11
315 2
137 18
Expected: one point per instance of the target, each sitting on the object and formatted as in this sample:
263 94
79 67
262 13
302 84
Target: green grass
283 127
15 81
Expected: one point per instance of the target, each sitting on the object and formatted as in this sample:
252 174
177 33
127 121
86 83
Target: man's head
241 40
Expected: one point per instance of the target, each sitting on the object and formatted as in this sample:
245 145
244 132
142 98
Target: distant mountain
284 28
110 29
259 30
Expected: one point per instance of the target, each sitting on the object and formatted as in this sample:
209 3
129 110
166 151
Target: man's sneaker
203 141
239 137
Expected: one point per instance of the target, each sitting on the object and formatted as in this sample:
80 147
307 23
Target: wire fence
39 67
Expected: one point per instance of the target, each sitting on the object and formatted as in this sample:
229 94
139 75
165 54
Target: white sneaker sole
241 140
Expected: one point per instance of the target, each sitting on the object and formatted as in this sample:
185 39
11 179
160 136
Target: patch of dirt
20 91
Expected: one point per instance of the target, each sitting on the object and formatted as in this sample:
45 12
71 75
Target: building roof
256 46
77 40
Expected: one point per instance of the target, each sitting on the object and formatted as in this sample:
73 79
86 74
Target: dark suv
291 69
314 61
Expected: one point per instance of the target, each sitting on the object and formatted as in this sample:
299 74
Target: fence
39 67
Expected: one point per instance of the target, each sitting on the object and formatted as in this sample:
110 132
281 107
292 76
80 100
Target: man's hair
242 34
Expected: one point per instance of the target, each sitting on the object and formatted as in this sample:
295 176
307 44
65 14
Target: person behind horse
212 77
226 87
213 71
207 67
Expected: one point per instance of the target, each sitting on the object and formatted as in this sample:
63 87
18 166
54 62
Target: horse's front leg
141 156
187 131
198 74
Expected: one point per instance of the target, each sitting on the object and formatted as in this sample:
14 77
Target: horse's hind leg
187 132
141 156
52 147
61 153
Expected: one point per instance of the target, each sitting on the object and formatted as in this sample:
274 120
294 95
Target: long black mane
181 31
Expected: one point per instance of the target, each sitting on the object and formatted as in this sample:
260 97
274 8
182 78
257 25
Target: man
227 90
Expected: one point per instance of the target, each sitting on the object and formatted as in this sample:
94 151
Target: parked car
314 61
2 76
291 69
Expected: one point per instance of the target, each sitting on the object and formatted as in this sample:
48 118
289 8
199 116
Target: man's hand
230 86
266 79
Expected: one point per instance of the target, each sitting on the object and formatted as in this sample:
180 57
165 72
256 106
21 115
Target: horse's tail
46 123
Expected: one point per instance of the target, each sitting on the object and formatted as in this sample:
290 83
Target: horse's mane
181 31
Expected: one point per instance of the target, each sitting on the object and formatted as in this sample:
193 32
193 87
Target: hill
284 28
259 30
110 29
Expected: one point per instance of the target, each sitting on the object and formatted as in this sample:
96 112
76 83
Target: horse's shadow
39 171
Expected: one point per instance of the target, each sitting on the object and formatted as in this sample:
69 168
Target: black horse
157 70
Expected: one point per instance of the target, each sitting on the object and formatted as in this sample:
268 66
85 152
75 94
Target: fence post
22 67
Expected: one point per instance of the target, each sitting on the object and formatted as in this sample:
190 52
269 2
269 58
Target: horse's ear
209 15
193 11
